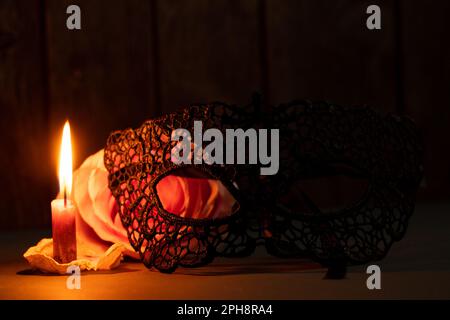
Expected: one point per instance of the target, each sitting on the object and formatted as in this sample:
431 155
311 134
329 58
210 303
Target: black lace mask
316 140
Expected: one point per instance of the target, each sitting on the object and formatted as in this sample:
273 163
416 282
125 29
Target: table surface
418 267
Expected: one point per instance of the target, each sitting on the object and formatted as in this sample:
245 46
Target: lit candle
63 208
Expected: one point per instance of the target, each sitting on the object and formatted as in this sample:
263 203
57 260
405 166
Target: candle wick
65 198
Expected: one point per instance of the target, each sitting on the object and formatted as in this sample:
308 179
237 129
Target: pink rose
98 220
186 193
190 194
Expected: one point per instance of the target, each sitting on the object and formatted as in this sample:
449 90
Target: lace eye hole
329 194
191 193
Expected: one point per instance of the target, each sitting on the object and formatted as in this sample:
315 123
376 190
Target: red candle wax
64 210
64 231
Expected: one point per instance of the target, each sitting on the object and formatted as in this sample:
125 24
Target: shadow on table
252 265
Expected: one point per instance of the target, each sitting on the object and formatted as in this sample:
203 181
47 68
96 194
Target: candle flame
65 163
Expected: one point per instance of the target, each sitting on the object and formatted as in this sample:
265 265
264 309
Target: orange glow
65 163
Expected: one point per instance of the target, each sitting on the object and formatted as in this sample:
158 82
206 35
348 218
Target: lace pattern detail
316 139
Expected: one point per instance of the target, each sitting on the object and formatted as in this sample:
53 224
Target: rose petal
98 223
195 197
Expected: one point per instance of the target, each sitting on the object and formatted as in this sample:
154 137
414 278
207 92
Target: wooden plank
208 51
100 76
426 52
24 200
322 50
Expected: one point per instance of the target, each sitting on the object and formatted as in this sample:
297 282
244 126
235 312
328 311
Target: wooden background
135 59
